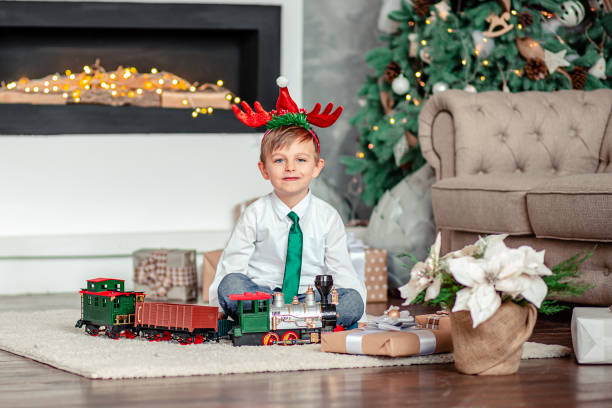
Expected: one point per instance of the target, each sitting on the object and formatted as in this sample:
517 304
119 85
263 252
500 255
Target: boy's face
290 170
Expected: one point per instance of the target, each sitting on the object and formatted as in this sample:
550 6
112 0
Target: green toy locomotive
263 323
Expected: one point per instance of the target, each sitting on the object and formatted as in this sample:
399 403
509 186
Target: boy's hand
361 324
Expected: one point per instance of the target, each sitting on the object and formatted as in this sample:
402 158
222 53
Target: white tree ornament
440 87
400 85
599 69
555 60
572 13
482 44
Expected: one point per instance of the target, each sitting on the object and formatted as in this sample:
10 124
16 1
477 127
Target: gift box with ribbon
371 266
413 341
166 273
209 269
592 334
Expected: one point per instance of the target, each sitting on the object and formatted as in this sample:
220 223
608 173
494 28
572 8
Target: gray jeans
349 308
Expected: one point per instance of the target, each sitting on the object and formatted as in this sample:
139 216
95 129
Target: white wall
74 207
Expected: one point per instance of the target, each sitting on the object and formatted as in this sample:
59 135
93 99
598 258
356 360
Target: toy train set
107 307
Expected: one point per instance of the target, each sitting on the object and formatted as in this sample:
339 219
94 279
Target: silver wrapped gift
592 335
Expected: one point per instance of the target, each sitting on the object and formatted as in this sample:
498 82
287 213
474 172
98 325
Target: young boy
286 238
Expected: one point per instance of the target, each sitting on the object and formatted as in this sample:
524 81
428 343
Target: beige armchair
535 165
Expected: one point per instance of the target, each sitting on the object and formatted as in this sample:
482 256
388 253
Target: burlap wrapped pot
494 347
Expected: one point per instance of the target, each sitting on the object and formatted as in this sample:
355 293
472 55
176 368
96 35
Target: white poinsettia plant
480 276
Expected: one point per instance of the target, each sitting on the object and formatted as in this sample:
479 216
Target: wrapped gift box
434 321
592 335
376 275
392 343
209 268
166 273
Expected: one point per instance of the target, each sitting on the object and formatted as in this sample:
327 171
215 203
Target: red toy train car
106 306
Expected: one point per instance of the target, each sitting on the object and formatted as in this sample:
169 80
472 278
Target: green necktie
293 263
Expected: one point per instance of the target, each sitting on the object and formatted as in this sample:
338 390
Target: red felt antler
253 119
324 119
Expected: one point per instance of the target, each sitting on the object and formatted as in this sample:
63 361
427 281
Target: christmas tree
476 46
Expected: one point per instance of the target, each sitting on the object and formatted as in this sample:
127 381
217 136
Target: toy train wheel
269 339
289 337
129 334
92 330
185 340
112 333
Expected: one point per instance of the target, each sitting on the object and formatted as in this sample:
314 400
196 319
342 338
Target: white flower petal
513 286
536 290
467 271
461 300
512 263
434 289
483 303
435 249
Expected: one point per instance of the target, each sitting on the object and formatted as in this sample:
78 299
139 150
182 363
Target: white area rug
51 338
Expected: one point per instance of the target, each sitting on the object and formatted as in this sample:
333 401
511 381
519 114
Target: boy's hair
285 136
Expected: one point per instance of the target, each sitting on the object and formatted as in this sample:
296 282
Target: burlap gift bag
494 347
166 273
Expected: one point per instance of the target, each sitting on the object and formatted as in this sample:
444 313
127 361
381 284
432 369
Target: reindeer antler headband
287 113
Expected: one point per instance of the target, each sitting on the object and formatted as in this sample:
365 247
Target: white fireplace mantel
74 207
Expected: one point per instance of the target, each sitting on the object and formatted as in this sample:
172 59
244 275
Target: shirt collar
281 209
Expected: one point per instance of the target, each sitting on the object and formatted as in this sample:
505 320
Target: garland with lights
475 46
121 87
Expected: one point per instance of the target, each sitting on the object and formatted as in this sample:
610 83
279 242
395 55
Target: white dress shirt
258 246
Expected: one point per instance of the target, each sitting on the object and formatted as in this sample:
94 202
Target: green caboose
105 303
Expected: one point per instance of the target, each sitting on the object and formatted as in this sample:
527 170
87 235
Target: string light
35 89
428 21
11 85
482 78
417 102
375 128
418 74
404 120
87 69
360 155
112 76
139 91
514 12
154 70
408 97
194 114
450 30
392 121
184 101
519 26
228 97
192 88
236 100
27 90
220 82
423 42
464 62
370 146
210 110
55 77
485 62
159 91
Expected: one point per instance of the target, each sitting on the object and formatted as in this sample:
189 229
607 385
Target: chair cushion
489 203
577 207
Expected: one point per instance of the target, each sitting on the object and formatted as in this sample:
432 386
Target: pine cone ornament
536 69
392 71
525 19
579 77
421 7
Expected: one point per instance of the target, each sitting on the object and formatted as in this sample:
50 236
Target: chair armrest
437 137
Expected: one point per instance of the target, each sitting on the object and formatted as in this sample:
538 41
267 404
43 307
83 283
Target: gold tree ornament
498 25
529 48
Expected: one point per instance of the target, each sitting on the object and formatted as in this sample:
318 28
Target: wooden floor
539 383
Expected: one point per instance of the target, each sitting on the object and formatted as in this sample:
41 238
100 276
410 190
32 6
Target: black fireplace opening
239 44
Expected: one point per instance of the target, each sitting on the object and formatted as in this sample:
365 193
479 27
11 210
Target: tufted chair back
564 132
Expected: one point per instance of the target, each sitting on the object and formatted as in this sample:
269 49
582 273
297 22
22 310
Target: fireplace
239 44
